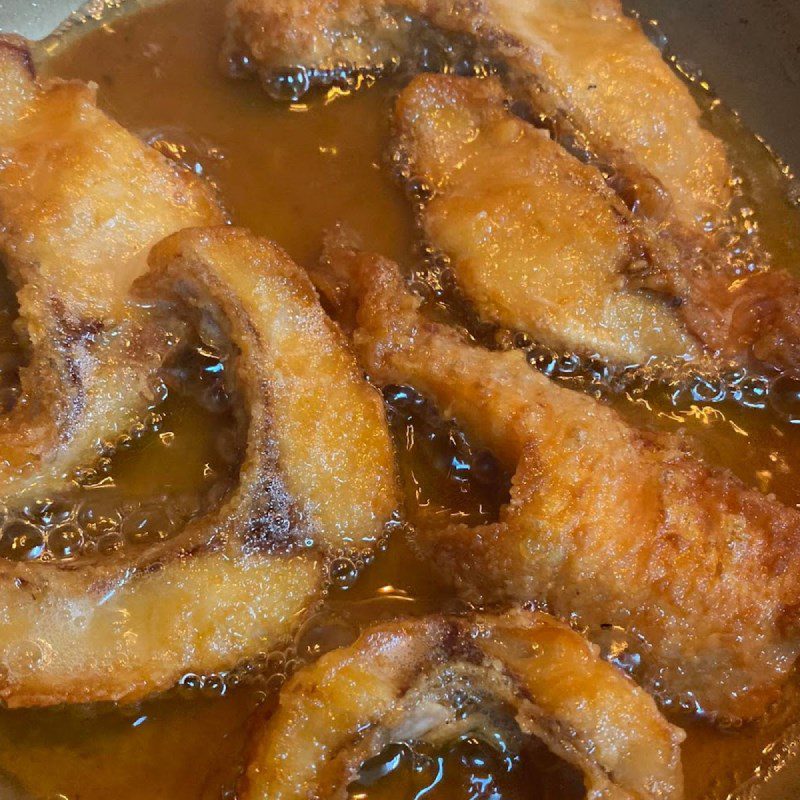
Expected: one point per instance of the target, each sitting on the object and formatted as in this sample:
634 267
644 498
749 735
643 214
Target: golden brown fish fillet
317 478
81 203
752 318
607 524
539 243
579 59
536 240
402 681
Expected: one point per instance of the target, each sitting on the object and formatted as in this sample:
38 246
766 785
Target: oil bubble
707 390
146 525
343 572
110 543
287 86
215 685
124 442
159 392
98 518
543 359
598 371
568 364
752 392
191 682
21 541
65 543
522 341
320 636
274 682
104 465
85 476
734 377
48 512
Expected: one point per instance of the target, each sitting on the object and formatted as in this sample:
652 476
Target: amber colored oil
290 172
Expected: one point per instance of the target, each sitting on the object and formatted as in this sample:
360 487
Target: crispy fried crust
233 582
607 524
81 203
579 59
536 240
402 680
539 243
752 318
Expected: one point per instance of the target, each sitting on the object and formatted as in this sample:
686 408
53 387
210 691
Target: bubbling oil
428 50
470 768
482 755
118 503
290 167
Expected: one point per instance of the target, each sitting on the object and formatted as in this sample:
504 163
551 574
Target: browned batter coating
317 478
536 240
607 524
753 318
522 674
81 202
539 243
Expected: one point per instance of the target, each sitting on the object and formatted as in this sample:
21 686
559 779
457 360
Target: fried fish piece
582 60
607 524
81 203
539 243
750 317
403 680
536 240
317 479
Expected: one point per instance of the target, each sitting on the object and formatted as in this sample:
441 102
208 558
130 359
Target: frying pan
747 50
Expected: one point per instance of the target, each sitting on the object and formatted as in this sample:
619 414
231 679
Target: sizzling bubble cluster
450 54
476 765
678 382
63 530
148 482
266 672
424 49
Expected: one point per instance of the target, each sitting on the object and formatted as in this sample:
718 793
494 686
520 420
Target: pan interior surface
290 172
